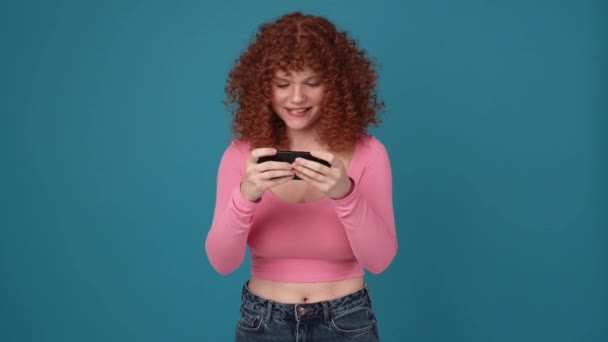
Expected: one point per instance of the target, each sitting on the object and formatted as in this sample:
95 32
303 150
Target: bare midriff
298 293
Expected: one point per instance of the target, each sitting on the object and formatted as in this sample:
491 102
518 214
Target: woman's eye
313 84
282 85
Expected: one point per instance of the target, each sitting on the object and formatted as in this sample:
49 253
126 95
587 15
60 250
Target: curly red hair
295 42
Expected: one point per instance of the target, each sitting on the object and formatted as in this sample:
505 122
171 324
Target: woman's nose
297 95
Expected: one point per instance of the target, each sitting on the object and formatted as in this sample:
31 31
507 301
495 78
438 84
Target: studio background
112 127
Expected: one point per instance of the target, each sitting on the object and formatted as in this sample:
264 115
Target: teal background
112 128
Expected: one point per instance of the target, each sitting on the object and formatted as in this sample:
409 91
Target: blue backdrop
112 128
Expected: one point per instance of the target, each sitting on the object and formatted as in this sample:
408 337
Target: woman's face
297 97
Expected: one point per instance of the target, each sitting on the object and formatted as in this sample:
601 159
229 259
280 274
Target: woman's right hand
260 177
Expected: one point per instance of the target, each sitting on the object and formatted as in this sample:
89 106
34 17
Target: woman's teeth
298 110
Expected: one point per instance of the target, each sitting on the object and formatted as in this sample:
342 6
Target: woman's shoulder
369 151
237 148
240 144
371 144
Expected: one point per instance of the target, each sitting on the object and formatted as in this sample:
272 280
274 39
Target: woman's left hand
333 181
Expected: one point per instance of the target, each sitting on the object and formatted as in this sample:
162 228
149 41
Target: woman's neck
304 141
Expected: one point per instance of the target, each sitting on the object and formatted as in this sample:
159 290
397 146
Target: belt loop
325 311
369 297
268 313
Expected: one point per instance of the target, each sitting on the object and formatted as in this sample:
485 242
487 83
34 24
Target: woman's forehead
305 73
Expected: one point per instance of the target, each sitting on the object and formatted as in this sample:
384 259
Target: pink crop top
323 240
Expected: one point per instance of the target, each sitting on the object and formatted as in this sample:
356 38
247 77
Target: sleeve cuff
241 203
349 199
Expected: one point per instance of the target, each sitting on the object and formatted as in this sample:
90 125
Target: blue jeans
348 318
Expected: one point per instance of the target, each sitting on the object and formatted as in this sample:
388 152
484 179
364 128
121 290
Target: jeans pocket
250 321
356 321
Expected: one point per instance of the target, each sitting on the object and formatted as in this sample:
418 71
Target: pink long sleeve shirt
322 240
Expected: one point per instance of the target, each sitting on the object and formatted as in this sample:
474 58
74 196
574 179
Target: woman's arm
367 213
227 239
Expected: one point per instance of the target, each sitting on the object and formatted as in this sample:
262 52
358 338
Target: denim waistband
302 311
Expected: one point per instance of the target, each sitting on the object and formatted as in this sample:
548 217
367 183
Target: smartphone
290 157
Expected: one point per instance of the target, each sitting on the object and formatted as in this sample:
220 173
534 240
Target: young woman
302 85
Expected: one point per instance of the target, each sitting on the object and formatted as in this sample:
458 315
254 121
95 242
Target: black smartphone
290 157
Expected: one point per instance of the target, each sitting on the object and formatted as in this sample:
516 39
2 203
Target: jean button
301 311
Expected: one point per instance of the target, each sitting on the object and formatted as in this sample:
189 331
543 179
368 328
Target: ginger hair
295 42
